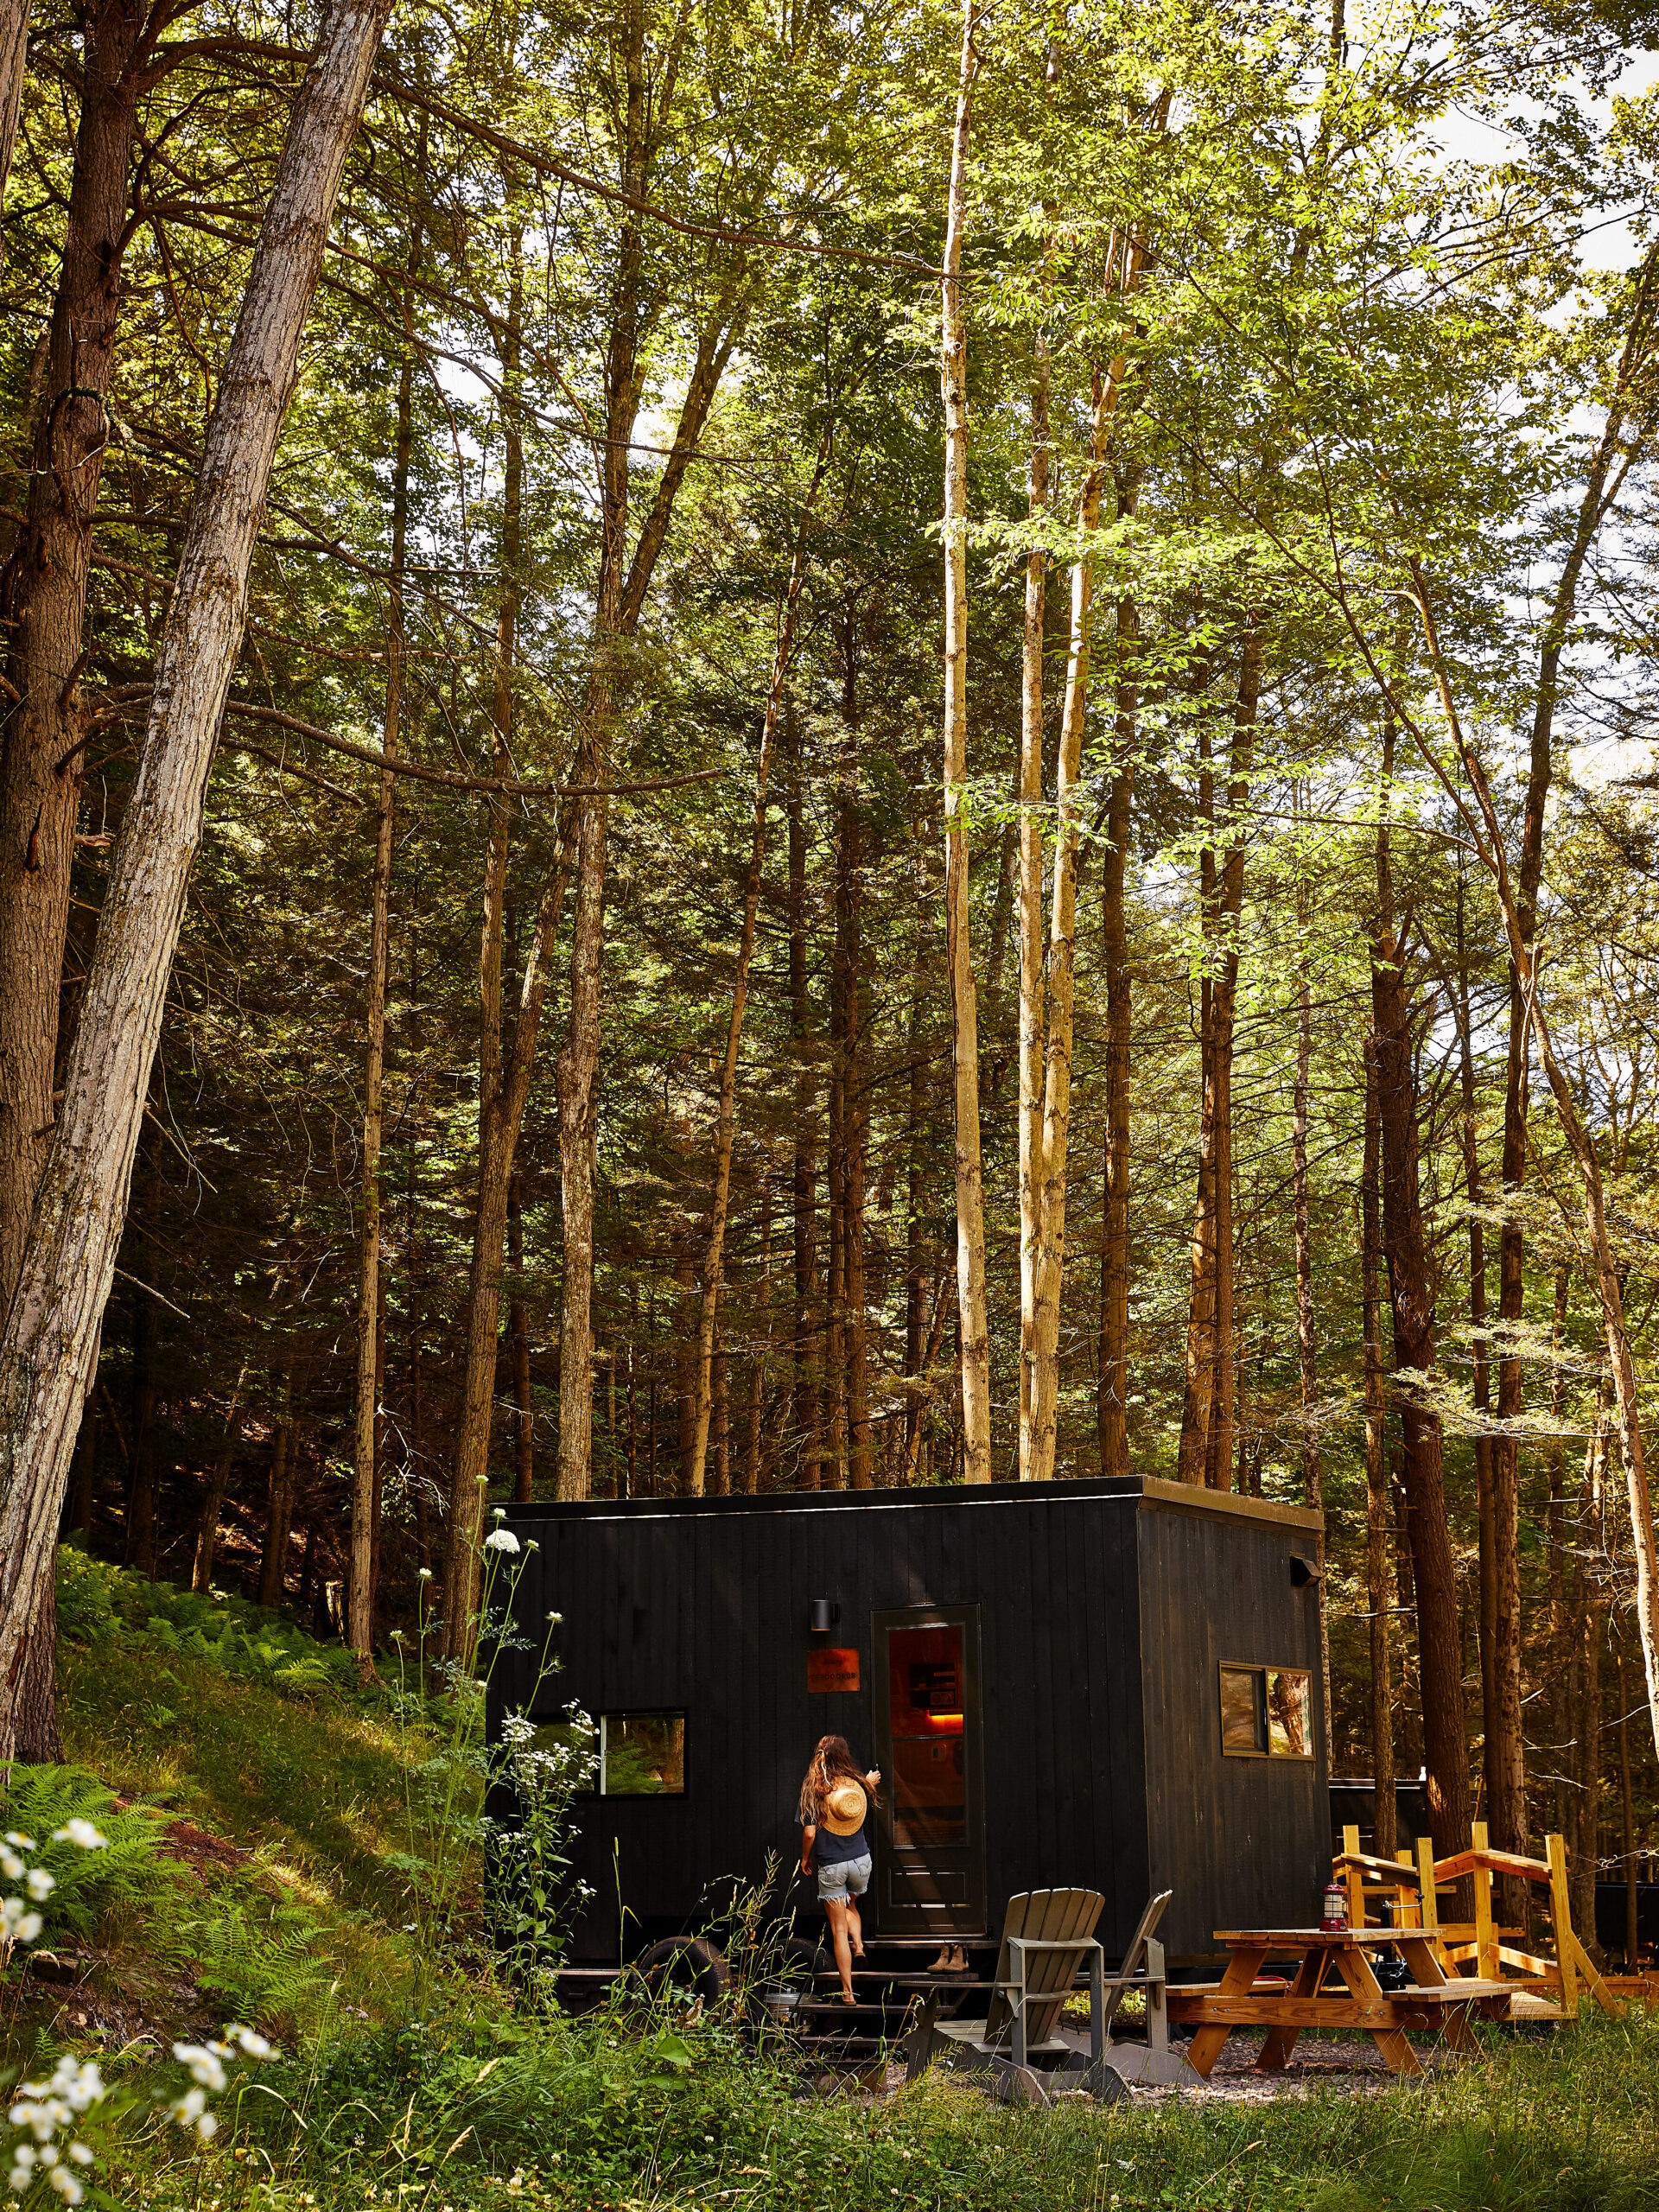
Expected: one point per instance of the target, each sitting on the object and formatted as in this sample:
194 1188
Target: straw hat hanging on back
844 1806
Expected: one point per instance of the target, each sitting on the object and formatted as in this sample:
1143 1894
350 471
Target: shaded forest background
650 299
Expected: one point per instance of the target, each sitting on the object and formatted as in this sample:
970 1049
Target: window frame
641 1797
1261 1669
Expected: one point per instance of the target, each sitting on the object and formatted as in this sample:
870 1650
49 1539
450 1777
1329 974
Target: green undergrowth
655 2113
259 1871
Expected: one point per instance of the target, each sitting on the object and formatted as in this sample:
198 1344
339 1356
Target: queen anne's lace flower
17 1925
203 2061
501 1540
81 1833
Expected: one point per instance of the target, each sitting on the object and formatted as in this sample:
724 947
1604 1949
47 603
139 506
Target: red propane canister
1334 1917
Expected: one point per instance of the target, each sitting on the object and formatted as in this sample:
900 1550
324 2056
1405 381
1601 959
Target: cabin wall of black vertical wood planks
1056 1680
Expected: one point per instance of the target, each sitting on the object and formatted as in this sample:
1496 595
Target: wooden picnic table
1433 2001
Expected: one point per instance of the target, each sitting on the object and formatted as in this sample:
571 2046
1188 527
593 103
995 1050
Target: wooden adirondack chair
1048 1935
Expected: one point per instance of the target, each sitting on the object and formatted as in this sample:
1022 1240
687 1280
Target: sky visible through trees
582 1071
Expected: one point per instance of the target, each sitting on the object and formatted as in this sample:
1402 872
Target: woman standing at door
835 1799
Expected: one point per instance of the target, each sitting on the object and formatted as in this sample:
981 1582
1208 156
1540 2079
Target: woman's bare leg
838 1909
855 1928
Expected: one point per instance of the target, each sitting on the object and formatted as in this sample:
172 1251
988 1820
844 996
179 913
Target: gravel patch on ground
1318 2062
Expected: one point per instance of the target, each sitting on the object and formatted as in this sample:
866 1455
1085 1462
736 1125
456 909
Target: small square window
1266 1712
642 1755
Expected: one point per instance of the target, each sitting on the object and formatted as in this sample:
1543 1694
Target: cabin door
931 1865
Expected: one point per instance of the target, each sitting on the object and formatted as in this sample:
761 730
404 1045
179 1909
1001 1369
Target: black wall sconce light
821 1615
1303 1571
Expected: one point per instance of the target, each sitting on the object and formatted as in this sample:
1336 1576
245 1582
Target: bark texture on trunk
14 59
1307 1363
43 606
52 1327
1379 1550
1113 1388
1034 1020
974 1332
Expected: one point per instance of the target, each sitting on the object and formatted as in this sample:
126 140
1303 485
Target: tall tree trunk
360 1612
52 1325
1033 1018
726 1123
1112 1404
1219 1461
14 59
1055 1126
139 1549
1593 1608
805 1178
1627 1828
975 1367
916 1242
523 1416
853 1372
279 1515
43 606
1556 1572
1199 1401
1446 1747
1379 1576
1312 1479
201 1571
763 1343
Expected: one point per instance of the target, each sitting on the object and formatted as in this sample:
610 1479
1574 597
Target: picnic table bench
1242 1999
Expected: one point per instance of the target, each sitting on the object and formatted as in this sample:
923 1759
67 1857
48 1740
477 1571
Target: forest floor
273 1801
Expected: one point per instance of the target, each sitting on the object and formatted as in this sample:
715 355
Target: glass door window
925 1715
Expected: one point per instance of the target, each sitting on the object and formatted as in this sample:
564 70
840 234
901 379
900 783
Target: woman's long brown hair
831 1763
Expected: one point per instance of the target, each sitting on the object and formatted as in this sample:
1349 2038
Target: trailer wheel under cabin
1103 1684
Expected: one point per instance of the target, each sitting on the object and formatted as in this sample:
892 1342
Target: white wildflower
19 1842
11 1866
40 1885
426 1575
501 1540
553 1619
81 2153
82 1833
498 1513
188 2109
203 2061
253 2046
532 1545
67 2187
17 1926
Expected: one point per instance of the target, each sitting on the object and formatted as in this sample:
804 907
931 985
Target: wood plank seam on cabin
1124 1599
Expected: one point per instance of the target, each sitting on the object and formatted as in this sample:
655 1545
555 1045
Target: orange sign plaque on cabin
831 1670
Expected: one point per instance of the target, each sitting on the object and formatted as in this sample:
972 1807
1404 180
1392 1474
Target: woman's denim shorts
847 1877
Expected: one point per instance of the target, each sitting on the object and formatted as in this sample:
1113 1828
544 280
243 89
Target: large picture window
1265 1712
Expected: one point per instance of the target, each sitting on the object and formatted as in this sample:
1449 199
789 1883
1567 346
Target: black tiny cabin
1109 1684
